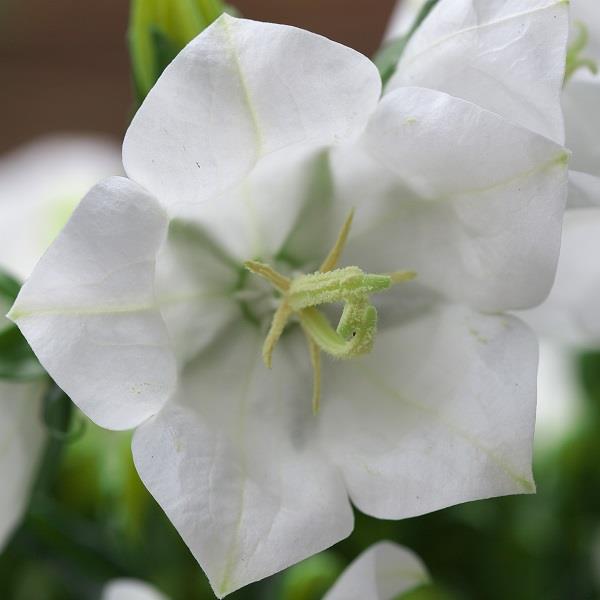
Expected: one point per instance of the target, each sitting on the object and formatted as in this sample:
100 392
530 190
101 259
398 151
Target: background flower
40 184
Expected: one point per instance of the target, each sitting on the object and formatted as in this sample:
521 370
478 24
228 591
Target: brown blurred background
64 63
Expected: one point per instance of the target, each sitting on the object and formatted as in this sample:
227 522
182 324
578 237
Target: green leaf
17 360
390 53
9 287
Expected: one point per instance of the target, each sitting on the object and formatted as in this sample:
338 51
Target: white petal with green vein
241 90
466 199
89 310
508 57
441 412
235 463
382 572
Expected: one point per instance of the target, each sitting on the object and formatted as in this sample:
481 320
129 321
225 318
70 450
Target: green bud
158 31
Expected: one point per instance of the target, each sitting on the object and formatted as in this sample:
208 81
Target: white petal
584 190
581 99
282 208
21 442
89 311
195 283
508 57
237 92
40 185
382 572
441 412
235 464
130 589
471 202
571 314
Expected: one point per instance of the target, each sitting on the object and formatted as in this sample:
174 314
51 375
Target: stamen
335 254
315 360
281 282
280 319
400 276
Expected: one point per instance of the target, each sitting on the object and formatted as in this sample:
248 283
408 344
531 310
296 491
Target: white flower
570 318
560 396
571 314
382 572
130 589
255 144
39 185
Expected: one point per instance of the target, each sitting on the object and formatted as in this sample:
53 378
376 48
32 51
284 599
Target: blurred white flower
382 572
130 589
255 144
560 397
571 314
40 184
570 318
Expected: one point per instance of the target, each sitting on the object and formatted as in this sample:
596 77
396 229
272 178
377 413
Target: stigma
301 296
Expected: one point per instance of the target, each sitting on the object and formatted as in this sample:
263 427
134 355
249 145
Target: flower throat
301 295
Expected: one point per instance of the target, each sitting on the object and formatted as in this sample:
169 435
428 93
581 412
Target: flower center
301 295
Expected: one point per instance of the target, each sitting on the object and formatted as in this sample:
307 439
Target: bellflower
39 186
382 572
269 184
571 307
570 316
130 589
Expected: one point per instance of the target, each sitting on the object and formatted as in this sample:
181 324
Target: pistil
300 297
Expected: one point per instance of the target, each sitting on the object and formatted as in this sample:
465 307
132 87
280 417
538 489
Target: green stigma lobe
349 284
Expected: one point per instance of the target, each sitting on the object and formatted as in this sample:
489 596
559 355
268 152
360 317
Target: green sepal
390 53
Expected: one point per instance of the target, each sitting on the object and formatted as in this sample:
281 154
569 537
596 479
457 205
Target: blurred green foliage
17 360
